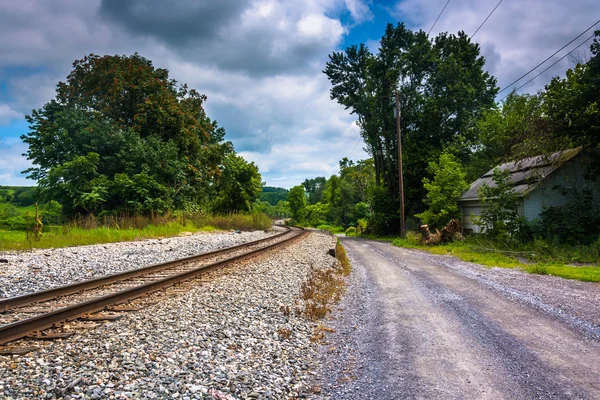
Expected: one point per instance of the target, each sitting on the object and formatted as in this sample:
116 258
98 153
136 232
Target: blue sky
260 61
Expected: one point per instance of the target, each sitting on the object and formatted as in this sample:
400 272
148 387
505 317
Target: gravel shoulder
219 340
418 325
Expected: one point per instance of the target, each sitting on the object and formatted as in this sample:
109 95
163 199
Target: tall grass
93 230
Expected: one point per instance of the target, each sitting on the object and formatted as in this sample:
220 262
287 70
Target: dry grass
325 287
284 332
319 333
340 254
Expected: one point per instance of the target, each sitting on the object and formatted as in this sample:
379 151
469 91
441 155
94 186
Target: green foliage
444 90
273 195
52 213
385 210
331 228
499 217
297 201
508 132
443 191
317 214
351 231
314 188
120 136
239 185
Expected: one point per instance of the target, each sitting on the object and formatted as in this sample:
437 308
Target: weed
285 332
340 254
319 333
540 269
325 287
285 310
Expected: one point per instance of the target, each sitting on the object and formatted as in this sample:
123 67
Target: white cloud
7 114
259 61
12 163
359 10
516 37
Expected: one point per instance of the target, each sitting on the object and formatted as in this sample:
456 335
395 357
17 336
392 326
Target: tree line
453 129
121 137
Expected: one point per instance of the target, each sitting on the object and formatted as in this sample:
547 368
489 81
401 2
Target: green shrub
351 231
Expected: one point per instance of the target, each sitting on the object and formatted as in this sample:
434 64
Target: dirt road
416 325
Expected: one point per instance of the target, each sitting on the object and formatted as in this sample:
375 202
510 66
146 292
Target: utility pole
400 166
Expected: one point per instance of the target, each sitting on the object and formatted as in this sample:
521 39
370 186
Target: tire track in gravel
423 330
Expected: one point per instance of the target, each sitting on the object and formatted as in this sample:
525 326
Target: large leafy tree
121 136
444 91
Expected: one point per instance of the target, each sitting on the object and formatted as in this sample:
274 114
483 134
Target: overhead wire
359 140
551 65
438 17
486 18
553 54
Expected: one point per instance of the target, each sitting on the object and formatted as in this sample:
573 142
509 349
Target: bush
351 231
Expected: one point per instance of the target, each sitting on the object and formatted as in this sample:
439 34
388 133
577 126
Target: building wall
558 188
471 209
467 208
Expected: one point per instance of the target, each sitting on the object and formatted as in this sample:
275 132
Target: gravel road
417 325
228 337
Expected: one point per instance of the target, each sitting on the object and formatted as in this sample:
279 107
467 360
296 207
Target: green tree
273 195
314 188
297 202
122 136
239 185
444 91
443 190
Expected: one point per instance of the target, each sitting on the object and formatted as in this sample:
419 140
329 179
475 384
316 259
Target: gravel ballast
31 271
222 339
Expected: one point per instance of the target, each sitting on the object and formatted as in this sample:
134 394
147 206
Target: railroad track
28 316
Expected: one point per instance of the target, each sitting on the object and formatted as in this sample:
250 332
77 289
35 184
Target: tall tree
444 91
297 202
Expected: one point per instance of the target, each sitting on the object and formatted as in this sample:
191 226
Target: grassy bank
73 235
532 258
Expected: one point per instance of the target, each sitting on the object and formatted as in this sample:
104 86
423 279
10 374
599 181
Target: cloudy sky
260 61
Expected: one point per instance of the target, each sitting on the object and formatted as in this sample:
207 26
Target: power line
553 54
359 140
551 65
486 18
438 17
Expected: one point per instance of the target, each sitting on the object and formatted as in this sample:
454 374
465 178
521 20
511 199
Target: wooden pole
400 166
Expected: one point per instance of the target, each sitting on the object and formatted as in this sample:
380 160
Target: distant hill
273 195
19 195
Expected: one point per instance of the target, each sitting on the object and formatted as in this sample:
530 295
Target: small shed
539 182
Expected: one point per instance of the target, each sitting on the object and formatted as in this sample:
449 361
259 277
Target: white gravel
30 271
220 340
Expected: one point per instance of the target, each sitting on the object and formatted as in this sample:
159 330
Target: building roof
525 175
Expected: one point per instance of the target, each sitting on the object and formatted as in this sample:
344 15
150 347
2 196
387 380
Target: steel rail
26 299
20 329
